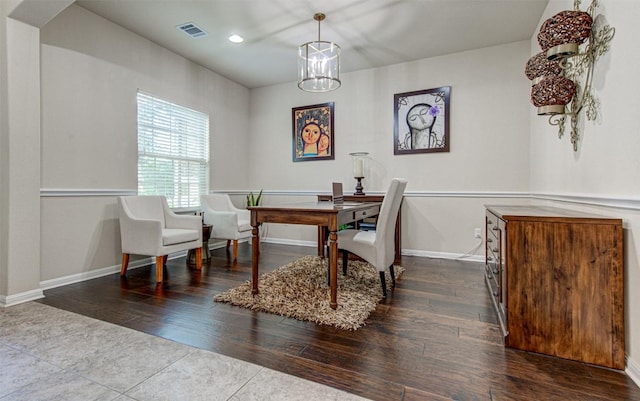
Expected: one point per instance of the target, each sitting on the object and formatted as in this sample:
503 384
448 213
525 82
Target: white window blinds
173 151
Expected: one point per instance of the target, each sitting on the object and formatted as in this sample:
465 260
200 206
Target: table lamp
359 170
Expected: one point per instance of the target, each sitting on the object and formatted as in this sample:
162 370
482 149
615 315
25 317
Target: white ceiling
372 33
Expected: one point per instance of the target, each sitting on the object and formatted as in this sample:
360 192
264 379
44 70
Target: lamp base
551 110
563 50
359 187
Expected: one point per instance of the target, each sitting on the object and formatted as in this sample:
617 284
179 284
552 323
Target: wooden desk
322 231
309 213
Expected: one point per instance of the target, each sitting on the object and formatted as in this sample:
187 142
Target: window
173 151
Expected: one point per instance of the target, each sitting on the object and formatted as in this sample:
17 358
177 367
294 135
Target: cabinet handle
489 258
495 228
495 272
495 249
489 221
489 240
495 293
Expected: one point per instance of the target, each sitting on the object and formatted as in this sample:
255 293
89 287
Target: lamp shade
538 67
551 94
319 66
359 166
561 34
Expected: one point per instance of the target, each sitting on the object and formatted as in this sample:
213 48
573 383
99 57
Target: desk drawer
363 214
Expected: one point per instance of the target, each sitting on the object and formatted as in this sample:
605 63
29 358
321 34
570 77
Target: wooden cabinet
361 198
556 280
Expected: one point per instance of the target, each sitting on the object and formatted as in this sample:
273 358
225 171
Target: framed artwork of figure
421 121
313 132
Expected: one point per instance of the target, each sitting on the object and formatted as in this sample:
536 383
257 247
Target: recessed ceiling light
236 39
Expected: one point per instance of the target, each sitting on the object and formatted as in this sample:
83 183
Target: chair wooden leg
199 258
345 261
159 267
383 282
125 264
235 250
228 243
393 275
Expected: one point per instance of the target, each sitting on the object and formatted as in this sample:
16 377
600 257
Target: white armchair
149 227
377 247
228 221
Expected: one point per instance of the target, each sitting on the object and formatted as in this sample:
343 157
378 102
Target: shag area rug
299 290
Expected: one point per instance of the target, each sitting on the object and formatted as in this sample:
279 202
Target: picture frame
312 129
421 121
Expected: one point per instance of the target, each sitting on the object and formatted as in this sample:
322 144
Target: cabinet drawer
493 248
494 268
493 229
492 241
492 282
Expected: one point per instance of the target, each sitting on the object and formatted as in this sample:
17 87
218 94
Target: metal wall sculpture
561 74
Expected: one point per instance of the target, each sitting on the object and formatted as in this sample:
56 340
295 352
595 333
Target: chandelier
319 64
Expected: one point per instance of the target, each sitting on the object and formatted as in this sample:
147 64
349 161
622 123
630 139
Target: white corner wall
602 176
91 70
19 161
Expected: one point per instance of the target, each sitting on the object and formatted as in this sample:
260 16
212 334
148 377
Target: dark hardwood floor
434 338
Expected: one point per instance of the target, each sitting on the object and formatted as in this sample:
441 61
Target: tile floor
51 354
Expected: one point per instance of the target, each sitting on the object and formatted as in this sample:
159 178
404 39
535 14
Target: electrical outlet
477 233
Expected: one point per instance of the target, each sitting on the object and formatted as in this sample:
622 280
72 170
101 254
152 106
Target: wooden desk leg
255 256
323 237
333 268
320 241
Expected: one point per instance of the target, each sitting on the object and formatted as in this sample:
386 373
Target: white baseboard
105 271
633 370
20 298
443 255
407 252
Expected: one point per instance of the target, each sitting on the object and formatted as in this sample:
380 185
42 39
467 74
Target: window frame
176 138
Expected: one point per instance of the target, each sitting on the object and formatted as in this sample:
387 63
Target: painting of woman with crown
313 132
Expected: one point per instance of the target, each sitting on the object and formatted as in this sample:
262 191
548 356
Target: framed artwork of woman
421 121
313 132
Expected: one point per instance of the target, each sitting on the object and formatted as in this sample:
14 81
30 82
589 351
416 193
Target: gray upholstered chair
149 227
376 247
228 221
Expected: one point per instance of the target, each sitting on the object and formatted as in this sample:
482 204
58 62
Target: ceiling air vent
192 30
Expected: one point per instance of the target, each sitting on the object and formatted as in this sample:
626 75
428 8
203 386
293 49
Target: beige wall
489 134
91 71
92 68
19 156
4 152
603 175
